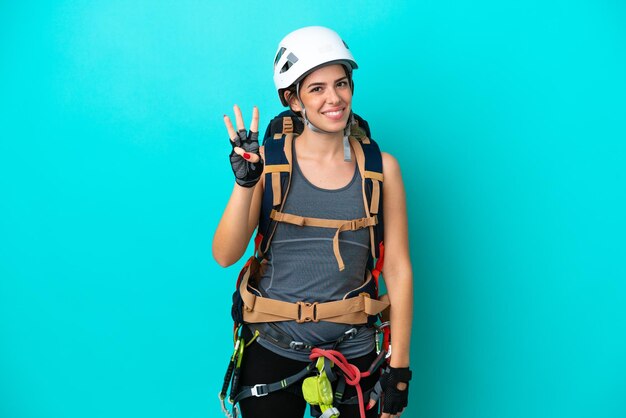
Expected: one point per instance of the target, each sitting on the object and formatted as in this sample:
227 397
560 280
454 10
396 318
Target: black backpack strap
373 185
277 149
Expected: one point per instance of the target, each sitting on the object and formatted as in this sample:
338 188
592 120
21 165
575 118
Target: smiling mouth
335 114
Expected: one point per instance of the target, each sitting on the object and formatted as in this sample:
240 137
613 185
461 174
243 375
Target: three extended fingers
254 126
234 136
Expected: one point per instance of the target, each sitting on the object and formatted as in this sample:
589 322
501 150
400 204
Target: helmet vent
280 53
291 60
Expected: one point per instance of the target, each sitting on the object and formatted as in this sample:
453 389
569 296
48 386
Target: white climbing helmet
306 49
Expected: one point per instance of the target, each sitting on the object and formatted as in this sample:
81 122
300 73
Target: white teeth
337 113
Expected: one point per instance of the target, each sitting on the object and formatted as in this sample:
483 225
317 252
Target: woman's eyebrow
319 83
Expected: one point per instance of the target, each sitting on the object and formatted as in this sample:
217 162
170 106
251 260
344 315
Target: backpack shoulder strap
277 144
277 148
369 161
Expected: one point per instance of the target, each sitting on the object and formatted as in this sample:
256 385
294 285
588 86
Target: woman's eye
342 84
316 89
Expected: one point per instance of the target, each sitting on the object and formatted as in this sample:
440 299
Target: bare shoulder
391 167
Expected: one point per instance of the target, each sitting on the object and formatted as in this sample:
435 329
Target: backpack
361 305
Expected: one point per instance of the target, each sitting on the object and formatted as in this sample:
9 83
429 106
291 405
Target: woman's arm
233 234
241 215
397 270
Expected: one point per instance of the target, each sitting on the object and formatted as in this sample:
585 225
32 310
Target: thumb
248 156
370 404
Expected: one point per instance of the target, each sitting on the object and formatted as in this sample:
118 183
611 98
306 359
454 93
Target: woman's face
327 98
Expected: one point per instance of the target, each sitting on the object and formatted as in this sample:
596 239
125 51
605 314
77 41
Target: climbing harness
317 378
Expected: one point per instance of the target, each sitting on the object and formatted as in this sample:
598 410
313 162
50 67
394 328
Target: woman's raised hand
244 158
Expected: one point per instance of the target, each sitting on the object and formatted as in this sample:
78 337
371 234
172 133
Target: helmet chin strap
346 130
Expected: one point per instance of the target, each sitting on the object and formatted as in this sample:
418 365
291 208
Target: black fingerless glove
247 174
394 399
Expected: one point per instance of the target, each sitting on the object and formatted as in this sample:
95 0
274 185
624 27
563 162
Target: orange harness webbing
341 225
354 310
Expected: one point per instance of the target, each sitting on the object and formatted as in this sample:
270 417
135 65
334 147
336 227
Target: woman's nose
332 96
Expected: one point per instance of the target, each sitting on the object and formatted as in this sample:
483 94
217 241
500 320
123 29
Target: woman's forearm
400 291
233 233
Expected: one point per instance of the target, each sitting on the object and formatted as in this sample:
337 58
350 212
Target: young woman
313 75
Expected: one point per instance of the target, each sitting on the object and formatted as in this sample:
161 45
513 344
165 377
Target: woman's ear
292 101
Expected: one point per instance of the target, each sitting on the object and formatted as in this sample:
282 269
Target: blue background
508 119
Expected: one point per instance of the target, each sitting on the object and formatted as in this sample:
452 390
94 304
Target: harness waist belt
354 310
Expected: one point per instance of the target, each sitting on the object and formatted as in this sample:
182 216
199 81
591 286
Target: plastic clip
307 312
255 390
